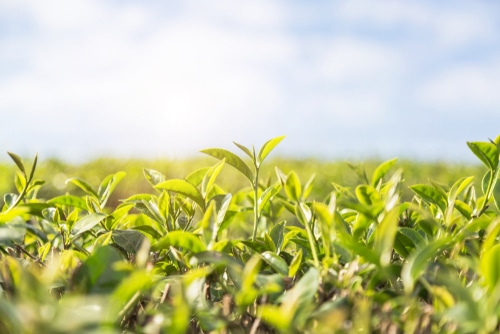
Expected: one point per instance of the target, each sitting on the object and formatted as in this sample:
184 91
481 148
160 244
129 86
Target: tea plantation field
243 242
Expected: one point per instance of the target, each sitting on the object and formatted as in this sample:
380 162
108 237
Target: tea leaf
86 223
184 188
18 161
268 147
232 159
430 194
276 262
182 240
486 152
381 171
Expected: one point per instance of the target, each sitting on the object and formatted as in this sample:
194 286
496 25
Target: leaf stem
256 213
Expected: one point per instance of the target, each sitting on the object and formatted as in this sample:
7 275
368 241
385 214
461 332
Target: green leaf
295 264
277 235
184 188
413 235
490 267
69 200
148 229
210 176
496 195
245 149
273 315
308 186
419 260
108 185
381 171
366 194
86 223
464 209
266 196
84 185
153 176
97 273
18 161
129 240
13 213
303 213
292 187
180 239
275 262
430 195
298 302
232 159
268 147
384 236
486 152
196 177
33 168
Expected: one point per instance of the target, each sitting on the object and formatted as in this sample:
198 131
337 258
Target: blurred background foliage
347 173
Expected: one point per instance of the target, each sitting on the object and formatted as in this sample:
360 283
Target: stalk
256 213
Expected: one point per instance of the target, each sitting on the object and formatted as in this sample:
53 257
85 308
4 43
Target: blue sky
341 79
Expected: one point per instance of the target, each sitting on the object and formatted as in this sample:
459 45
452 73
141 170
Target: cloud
101 76
471 87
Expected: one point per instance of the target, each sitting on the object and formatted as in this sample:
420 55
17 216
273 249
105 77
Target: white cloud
183 77
170 75
458 26
472 87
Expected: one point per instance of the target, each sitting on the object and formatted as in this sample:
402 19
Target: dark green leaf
128 240
277 235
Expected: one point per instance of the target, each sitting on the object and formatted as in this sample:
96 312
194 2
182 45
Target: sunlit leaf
69 200
184 188
486 152
84 185
153 176
268 147
381 171
179 239
86 223
276 262
232 159
293 189
431 195
419 260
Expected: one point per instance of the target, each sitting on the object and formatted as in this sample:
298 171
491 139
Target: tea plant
188 256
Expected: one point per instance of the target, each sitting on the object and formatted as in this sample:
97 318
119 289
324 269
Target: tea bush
189 256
